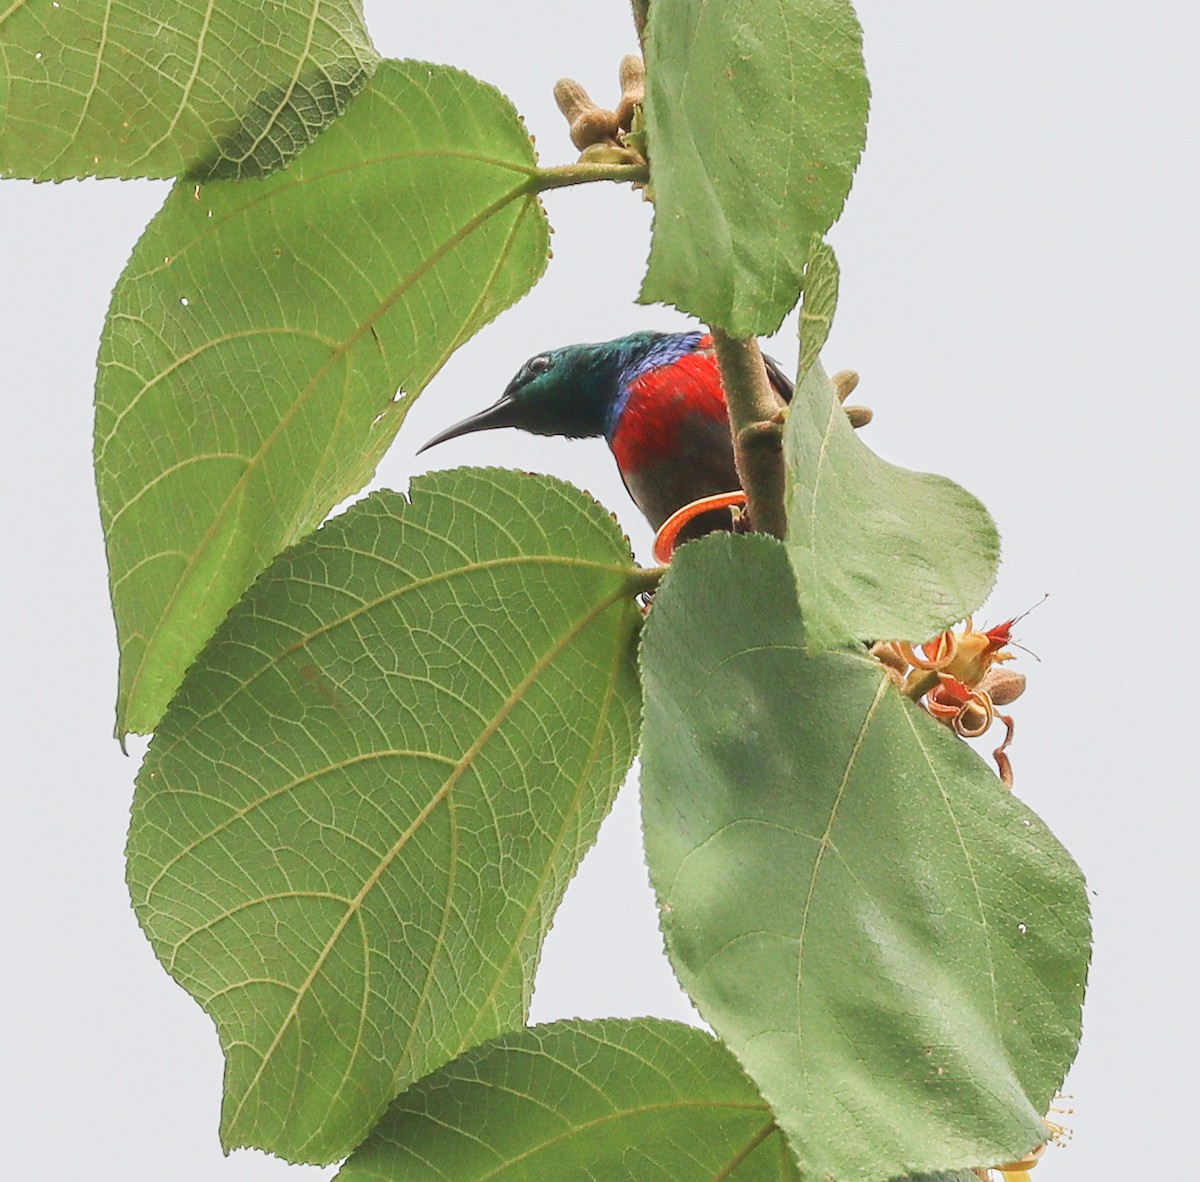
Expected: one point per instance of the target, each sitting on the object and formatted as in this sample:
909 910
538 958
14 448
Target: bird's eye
538 364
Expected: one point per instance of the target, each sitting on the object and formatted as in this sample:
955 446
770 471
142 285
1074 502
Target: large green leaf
151 88
891 943
605 1101
618 1101
756 115
255 344
361 810
880 553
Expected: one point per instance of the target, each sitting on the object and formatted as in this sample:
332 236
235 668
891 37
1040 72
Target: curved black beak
501 414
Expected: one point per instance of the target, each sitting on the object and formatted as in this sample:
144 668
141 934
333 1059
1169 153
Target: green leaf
622 1101
152 89
756 117
360 812
822 279
880 553
251 359
891 943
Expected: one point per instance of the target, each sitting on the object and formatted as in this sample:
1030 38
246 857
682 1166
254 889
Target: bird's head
569 391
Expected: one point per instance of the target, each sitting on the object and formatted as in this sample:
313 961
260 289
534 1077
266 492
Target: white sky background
1019 260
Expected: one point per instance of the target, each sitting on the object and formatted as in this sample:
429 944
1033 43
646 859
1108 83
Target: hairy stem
641 11
563 175
645 579
920 686
746 1150
754 416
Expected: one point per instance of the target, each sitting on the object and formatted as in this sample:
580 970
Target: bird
656 398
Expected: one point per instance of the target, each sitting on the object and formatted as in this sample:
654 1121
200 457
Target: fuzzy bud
1003 685
590 124
894 664
844 383
572 99
633 89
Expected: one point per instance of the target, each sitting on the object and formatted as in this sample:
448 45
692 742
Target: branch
757 425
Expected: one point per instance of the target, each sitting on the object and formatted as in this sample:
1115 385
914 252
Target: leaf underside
250 363
140 88
623 1101
880 552
894 946
361 810
822 279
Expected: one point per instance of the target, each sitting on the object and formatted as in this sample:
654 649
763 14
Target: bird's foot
667 537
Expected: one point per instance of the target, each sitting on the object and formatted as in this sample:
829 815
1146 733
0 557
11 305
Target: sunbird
656 398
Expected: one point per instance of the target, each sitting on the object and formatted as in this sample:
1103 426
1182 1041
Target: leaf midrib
570 816
515 696
470 568
255 462
825 842
628 1113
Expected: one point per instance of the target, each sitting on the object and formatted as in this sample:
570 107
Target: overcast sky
1019 261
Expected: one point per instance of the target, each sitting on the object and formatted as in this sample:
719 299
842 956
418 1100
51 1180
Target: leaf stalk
645 578
563 175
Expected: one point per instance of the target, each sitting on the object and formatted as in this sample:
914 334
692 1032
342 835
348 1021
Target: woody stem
754 416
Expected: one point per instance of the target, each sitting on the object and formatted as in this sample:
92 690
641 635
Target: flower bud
590 124
844 383
572 99
1003 685
593 127
889 656
633 89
